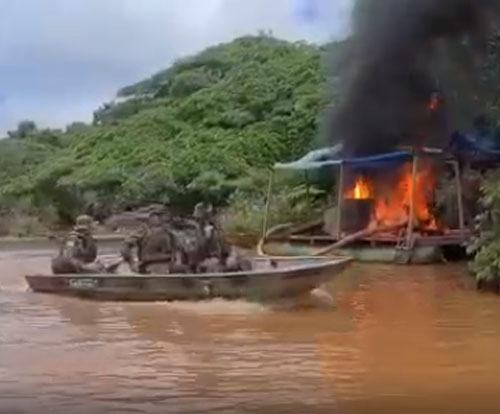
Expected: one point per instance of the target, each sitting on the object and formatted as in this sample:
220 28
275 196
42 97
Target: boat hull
261 284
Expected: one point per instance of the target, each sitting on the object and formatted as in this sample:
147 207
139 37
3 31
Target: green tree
24 130
76 127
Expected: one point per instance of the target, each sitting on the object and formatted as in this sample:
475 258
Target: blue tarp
467 147
333 156
314 159
473 148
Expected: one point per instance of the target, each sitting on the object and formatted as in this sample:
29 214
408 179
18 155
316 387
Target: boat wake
214 307
13 287
318 299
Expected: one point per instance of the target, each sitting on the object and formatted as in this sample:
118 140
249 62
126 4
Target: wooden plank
445 240
385 237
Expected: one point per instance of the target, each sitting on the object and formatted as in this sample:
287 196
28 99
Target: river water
400 339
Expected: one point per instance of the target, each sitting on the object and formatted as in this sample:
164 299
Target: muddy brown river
400 340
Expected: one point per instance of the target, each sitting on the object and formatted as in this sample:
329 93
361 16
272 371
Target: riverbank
52 242
105 241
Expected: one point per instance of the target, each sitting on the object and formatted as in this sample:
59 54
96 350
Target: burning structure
385 204
392 199
400 101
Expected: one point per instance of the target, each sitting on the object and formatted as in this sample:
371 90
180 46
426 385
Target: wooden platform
451 238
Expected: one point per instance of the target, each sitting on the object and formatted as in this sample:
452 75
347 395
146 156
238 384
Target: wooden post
340 200
411 216
308 189
268 205
458 184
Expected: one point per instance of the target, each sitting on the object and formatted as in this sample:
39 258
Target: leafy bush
292 201
486 245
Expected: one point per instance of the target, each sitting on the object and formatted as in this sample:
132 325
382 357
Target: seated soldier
155 246
78 252
192 242
235 262
215 254
209 246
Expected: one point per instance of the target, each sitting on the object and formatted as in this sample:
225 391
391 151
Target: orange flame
392 206
395 207
362 189
433 102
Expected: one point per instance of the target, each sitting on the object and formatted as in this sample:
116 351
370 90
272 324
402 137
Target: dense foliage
486 244
191 131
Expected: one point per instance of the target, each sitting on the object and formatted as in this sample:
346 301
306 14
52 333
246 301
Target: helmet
84 222
199 210
163 214
202 211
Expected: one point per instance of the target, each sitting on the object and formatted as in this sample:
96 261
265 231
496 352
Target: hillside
187 132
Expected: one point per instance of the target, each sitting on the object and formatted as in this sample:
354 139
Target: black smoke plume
402 55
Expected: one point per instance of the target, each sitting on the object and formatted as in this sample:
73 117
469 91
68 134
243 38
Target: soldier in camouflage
210 243
215 255
154 244
78 252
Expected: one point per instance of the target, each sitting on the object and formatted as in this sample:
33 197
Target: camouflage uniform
155 246
237 263
78 251
210 246
215 255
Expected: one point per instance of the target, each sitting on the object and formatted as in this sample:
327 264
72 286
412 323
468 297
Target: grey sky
59 59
